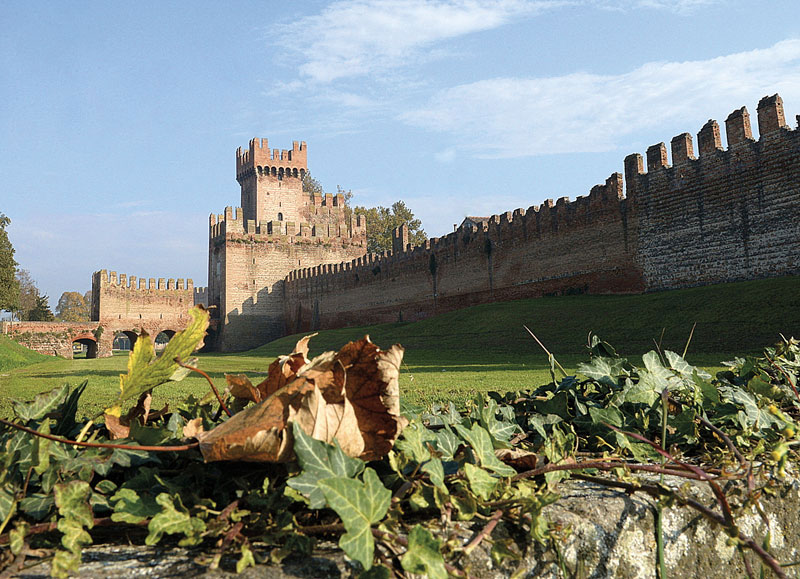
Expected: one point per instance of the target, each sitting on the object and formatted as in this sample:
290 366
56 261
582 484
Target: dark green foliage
381 221
41 311
9 287
445 466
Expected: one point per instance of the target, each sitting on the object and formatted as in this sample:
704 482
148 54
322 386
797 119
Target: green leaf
40 454
72 500
424 556
435 471
174 520
447 442
64 564
500 431
359 505
481 443
481 482
413 442
42 404
318 461
16 537
146 372
132 507
246 560
37 506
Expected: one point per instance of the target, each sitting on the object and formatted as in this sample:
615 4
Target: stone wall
728 215
584 246
56 338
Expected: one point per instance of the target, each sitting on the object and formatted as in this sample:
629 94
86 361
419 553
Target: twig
689 341
179 448
208 378
560 367
485 532
611 465
47 527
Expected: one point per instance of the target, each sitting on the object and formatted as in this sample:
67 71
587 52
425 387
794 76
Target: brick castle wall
521 254
728 215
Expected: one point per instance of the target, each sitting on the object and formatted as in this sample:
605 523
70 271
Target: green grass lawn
483 348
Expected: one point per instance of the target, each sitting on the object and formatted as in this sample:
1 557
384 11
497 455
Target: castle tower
278 229
272 181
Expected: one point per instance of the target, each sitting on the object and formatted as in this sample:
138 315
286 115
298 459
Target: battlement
771 125
232 224
279 163
104 279
605 202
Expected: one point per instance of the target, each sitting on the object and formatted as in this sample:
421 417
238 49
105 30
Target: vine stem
610 465
47 527
179 448
485 531
177 360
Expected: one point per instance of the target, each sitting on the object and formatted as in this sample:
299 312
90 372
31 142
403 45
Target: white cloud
581 112
360 37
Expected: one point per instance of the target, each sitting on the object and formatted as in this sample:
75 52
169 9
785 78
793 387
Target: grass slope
454 355
14 355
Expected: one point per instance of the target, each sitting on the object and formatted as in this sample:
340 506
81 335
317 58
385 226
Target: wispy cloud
353 38
580 112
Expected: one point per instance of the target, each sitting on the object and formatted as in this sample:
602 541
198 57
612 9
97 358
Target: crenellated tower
277 229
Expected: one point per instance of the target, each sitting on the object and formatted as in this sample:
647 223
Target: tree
28 293
41 311
9 288
311 185
72 307
382 220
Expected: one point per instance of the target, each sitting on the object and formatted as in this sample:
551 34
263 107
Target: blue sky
119 121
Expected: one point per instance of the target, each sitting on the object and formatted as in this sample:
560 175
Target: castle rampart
726 215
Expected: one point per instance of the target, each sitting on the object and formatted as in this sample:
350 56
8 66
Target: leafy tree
28 293
382 220
9 288
72 307
311 185
41 311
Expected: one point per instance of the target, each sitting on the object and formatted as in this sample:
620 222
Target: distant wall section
584 246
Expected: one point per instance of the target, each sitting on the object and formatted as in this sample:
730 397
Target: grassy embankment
452 356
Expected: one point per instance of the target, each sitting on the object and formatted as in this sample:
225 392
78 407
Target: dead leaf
352 396
519 459
193 428
120 426
240 386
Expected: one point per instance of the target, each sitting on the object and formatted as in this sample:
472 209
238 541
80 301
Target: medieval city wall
521 254
731 214
248 263
125 297
727 215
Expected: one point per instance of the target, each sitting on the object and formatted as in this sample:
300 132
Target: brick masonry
729 214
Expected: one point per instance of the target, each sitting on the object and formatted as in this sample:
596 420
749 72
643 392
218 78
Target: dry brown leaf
351 396
116 429
240 386
519 459
193 428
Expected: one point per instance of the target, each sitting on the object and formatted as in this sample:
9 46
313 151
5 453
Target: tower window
280 216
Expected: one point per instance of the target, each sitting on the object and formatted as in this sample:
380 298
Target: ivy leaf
481 482
447 442
132 507
359 505
246 560
424 556
37 506
500 431
41 405
319 460
480 441
173 520
16 537
72 500
64 564
145 371
40 455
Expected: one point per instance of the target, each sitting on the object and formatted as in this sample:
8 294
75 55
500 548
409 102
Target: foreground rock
606 533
